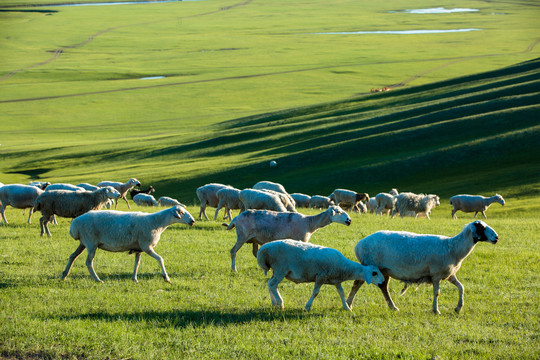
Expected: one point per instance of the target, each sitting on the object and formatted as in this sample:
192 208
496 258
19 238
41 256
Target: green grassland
246 83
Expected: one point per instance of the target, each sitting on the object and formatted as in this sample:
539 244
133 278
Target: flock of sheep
268 218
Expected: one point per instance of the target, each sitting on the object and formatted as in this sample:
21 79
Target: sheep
285 200
304 262
419 258
88 187
347 199
20 197
394 192
145 200
40 184
360 208
119 231
473 203
70 204
419 203
320 202
301 200
122 188
269 185
207 195
272 163
148 190
258 199
229 198
168 201
385 203
63 186
261 226
372 205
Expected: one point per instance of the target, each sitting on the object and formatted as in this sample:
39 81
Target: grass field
246 82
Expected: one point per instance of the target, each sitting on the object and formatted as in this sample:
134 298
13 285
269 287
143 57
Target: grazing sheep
40 184
285 200
320 202
145 200
419 203
63 186
18 196
70 204
168 201
269 185
261 200
88 187
347 199
229 198
360 208
261 226
304 262
301 200
385 203
148 190
207 195
418 258
119 231
473 203
372 205
121 188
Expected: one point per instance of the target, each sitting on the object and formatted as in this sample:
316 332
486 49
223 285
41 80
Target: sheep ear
478 231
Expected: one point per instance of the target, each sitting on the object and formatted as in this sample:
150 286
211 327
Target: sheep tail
231 225
263 264
73 231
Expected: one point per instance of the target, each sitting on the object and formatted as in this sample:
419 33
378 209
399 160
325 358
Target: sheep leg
316 289
404 290
436 292
127 202
255 249
454 216
484 213
42 225
342 296
137 262
354 290
72 258
30 215
275 296
90 263
234 249
217 212
2 210
454 280
386 294
229 214
153 254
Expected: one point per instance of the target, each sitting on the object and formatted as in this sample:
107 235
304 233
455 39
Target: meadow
233 85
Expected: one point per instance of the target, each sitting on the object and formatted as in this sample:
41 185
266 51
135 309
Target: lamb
119 231
419 258
148 190
229 198
168 201
261 226
304 262
18 196
385 203
320 202
70 204
145 200
301 200
269 185
258 199
347 199
473 203
207 195
372 205
285 199
419 203
121 188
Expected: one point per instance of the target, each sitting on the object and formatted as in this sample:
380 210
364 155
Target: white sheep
269 185
385 203
304 262
372 205
320 202
207 195
18 196
64 186
419 258
360 208
119 231
70 204
394 192
40 184
88 187
145 200
347 199
261 200
473 203
285 200
419 203
301 200
261 226
168 201
228 198
122 188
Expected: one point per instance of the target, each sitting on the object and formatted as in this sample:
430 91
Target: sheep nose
348 222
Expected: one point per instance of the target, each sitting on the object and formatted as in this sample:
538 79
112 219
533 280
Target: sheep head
482 232
182 216
338 215
111 192
134 182
372 274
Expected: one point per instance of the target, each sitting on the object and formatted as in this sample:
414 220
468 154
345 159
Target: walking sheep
301 200
347 199
18 196
121 188
261 226
207 195
261 200
419 203
145 200
418 258
119 231
228 198
70 204
473 203
304 262
320 202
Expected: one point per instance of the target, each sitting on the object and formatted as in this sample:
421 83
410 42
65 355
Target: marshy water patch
396 32
437 10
